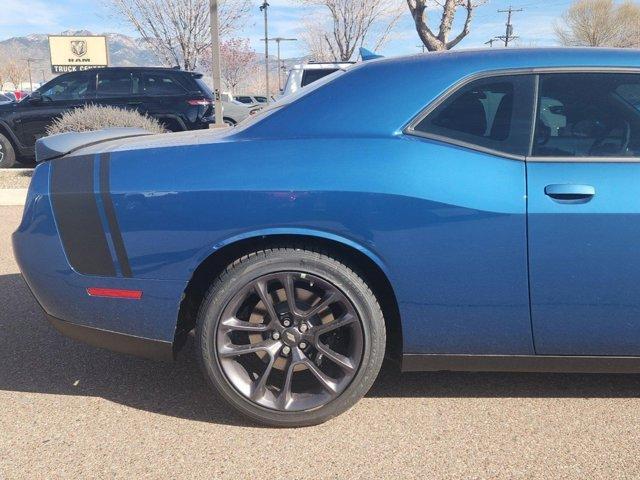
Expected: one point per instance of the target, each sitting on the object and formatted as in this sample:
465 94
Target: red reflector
114 293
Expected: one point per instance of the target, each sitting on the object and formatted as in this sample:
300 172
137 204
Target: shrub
96 117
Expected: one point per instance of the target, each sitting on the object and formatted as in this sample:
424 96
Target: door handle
570 193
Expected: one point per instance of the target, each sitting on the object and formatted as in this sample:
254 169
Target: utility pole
508 36
215 64
490 42
263 8
422 47
278 40
29 61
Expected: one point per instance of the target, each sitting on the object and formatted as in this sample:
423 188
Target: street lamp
263 8
215 64
278 40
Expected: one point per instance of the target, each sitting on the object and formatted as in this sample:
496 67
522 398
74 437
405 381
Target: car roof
551 57
138 69
381 96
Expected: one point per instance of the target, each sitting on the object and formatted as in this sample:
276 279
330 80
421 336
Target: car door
167 99
56 97
114 88
471 234
584 214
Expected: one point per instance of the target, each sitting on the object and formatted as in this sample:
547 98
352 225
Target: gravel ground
15 177
73 411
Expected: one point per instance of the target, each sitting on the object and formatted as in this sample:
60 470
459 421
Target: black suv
178 99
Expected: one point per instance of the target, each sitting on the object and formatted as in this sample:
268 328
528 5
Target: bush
96 117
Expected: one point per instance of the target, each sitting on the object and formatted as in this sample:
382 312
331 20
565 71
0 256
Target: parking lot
73 411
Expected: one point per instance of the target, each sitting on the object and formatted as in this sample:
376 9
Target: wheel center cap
291 336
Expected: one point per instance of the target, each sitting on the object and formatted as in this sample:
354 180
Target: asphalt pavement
68 410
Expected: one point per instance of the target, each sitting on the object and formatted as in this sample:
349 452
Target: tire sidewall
314 264
9 158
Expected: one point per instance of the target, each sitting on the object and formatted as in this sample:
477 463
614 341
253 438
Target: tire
229 122
172 125
362 338
7 153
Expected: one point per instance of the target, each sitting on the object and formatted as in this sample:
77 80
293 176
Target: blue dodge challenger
477 210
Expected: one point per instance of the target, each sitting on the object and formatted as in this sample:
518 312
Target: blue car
476 210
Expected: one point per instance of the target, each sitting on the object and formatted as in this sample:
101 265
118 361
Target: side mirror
35 97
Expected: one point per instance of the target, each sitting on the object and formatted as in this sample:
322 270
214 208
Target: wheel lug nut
303 327
286 350
286 322
302 345
275 336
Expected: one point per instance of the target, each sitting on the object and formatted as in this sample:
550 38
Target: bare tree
348 25
15 72
600 23
313 38
178 31
238 62
440 40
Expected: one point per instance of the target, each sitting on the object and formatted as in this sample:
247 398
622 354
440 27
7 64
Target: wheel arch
7 132
362 260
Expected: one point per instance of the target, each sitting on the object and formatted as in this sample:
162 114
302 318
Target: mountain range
124 51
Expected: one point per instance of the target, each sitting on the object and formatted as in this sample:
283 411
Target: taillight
200 102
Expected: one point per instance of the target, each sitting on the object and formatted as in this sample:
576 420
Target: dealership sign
70 54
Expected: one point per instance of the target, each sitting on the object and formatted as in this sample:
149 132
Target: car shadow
35 358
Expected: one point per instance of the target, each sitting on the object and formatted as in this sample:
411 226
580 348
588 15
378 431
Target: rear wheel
290 337
7 153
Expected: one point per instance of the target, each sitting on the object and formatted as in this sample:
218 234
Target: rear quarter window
492 113
160 83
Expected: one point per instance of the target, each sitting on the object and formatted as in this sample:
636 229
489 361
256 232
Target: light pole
263 8
278 40
215 63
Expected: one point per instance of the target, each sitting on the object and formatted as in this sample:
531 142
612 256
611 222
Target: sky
534 25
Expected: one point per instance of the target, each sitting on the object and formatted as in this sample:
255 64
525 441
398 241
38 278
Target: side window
588 115
315 74
114 84
160 83
70 87
492 113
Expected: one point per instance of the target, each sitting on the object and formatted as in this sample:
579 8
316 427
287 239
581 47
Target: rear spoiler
56 146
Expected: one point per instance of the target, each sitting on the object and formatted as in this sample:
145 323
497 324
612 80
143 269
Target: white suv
302 75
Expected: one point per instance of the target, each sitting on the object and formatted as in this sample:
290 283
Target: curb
13 196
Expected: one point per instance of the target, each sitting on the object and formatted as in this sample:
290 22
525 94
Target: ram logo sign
69 53
79 47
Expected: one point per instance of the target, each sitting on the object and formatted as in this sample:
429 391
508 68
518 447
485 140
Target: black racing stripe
110 212
76 212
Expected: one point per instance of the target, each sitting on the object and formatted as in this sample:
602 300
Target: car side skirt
519 363
117 342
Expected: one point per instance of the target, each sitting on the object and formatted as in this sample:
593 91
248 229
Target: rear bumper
145 326
114 341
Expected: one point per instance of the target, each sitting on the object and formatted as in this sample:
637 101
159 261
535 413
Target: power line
508 36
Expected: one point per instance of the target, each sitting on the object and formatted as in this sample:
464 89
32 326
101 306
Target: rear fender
294 232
